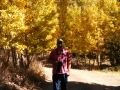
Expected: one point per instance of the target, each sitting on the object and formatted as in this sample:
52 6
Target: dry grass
15 79
36 68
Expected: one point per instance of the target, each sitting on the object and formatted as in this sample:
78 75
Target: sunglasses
60 42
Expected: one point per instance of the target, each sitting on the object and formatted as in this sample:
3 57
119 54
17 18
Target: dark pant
59 81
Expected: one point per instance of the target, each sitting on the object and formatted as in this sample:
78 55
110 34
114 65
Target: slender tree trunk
21 61
4 57
14 57
98 60
7 57
27 55
28 60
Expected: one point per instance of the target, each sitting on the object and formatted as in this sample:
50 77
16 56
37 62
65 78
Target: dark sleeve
50 57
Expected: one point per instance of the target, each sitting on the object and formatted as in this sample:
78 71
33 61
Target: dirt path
86 80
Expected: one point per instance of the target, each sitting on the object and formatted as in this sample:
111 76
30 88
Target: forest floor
86 80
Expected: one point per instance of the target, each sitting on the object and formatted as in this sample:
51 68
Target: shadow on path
81 86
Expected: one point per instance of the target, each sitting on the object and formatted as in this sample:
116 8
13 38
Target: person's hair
60 40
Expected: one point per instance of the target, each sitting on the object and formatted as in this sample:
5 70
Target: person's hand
68 73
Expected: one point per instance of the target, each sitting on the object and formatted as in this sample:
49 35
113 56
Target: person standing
61 62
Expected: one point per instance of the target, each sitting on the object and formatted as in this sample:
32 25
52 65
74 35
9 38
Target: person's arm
69 64
50 59
68 67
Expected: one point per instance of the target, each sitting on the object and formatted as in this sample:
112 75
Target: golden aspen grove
31 27
35 25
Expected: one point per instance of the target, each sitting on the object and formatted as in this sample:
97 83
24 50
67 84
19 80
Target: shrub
36 72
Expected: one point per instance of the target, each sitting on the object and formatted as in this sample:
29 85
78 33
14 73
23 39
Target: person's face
60 44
